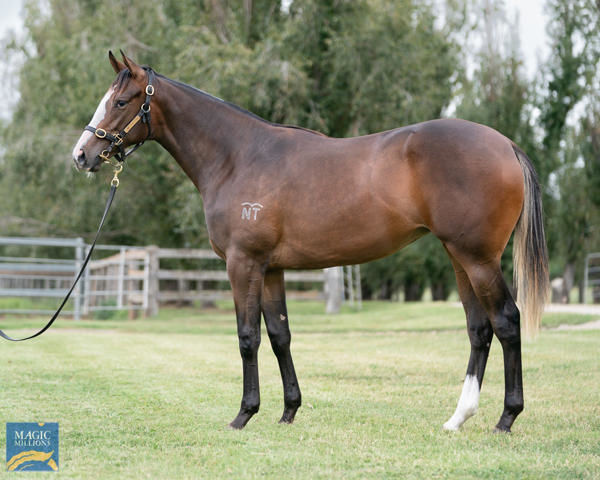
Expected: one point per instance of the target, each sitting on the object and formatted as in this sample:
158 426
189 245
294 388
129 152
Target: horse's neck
203 134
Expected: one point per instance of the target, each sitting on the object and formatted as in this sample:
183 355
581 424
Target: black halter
116 139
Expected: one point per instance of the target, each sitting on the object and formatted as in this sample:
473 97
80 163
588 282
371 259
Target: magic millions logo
32 447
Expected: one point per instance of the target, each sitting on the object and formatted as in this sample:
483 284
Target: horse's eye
120 103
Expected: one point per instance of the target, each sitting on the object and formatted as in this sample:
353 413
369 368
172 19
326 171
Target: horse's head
121 119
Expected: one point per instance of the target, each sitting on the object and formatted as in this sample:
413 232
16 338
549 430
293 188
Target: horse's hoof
504 430
448 427
288 415
238 423
287 420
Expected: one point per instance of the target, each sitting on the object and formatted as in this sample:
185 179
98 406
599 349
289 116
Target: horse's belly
324 243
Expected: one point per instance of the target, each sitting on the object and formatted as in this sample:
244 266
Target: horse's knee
249 341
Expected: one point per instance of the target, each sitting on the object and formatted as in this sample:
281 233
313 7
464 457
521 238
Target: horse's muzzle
82 164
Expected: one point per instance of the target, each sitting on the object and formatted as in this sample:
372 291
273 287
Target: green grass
151 398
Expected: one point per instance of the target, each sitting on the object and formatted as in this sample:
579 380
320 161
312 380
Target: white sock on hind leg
467 404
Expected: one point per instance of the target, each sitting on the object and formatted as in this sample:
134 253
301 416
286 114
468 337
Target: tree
576 218
344 67
570 71
376 65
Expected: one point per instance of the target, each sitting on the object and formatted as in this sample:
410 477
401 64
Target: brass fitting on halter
117 168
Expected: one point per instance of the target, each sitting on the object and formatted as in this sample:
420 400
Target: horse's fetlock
250 406
292 400
514 405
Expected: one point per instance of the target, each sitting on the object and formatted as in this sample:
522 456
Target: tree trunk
219 14
413 292
386 291
439 291
334 289
568 280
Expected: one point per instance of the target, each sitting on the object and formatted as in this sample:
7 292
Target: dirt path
574 308
593 325
592 310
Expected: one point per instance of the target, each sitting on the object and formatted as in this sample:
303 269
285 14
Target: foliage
576 45
344 67
568 155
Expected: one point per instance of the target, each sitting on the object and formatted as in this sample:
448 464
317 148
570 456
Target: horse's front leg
276 319
246 276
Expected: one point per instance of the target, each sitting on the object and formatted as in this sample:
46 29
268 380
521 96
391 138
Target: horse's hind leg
276 318
491 290
480 336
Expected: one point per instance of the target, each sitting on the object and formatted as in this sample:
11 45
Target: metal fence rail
133 278
34 277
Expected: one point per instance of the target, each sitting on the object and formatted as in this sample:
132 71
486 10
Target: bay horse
282 197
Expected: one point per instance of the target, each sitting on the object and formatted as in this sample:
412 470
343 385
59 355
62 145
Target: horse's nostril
81 157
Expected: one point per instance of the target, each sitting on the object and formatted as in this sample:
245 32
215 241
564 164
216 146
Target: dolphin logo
24 460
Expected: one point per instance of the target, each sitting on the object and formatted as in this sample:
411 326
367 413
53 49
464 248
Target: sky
532 31
10 17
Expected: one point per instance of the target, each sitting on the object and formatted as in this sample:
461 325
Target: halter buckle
147 107
149 90
119 139
100 133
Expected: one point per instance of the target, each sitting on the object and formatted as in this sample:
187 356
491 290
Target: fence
591 277
117 282
31 277
143 278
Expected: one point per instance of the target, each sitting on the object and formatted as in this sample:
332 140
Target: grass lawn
152 398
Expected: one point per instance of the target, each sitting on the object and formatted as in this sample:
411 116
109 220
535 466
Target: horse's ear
136 71
117 66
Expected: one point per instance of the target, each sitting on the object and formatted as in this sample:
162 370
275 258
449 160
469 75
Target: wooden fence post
153 289
334 289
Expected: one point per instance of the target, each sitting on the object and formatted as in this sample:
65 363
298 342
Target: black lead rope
111 196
